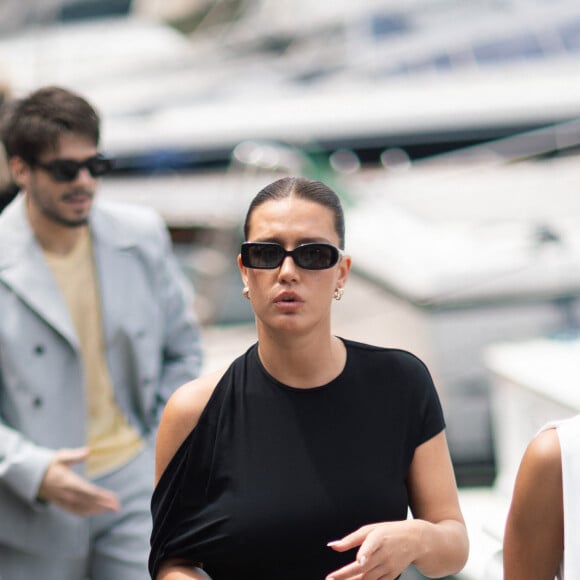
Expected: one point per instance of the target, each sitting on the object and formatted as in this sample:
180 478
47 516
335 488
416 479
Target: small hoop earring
246 292
338 293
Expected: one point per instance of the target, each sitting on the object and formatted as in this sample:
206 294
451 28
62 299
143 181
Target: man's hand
63 487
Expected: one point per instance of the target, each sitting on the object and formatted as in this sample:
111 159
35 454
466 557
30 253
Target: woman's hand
385 550
434 541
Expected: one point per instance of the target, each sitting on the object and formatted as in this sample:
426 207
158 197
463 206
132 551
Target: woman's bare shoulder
189 400
181 415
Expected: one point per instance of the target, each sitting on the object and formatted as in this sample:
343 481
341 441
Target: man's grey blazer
152 347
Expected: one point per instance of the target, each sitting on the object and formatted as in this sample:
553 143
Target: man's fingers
91 498
69 456
107 500
87 499
72 492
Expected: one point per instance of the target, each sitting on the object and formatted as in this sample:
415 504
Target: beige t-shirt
111 439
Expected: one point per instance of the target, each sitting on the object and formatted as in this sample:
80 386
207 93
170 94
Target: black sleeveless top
272 473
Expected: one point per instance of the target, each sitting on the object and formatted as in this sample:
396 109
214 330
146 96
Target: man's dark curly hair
33 125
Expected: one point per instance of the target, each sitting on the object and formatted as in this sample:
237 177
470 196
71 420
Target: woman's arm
180 416
435 541
534 535
174 570
443 545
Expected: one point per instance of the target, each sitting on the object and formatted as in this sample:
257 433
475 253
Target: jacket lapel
24 270
111 247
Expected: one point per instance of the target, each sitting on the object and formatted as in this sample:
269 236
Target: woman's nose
288 268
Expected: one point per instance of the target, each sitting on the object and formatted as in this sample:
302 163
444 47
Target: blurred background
451 131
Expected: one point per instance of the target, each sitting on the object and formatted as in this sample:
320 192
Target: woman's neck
303 363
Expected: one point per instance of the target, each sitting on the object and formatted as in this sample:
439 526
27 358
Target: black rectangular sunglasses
269 255
63 170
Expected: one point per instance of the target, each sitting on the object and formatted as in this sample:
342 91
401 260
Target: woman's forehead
292 214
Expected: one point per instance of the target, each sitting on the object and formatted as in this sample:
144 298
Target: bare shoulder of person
533 540
187 403
181 415
543 452
539 478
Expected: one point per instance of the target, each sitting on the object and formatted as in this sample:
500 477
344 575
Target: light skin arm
435 540
179 417
175 570
533 541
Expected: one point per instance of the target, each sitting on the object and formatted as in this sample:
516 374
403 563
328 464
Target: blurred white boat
473 254
476 246
422 75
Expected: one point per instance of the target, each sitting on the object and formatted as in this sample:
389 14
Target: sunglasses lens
64 170
99 166
316 256
263 255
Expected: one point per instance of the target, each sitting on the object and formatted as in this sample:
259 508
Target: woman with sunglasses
302 458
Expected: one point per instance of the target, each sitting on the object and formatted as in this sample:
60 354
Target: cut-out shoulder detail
181 415
264 447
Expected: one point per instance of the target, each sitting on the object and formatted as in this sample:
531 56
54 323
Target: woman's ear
344 269
242 270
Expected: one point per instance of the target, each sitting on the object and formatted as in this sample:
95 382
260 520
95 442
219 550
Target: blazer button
37 402
39 349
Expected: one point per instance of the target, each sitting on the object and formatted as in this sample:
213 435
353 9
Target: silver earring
246 292
338 293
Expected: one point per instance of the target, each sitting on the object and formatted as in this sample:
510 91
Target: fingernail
332 544
362 560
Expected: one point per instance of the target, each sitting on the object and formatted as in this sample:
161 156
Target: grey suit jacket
152 346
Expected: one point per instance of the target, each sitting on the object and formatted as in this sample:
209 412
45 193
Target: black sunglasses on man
64 170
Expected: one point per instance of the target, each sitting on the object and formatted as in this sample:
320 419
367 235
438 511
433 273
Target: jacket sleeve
22 463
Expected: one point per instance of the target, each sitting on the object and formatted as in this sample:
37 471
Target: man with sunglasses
96 331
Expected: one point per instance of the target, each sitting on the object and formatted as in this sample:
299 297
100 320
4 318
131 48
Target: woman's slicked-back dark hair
33 125
303 188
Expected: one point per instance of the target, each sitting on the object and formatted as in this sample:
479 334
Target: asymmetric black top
272 473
